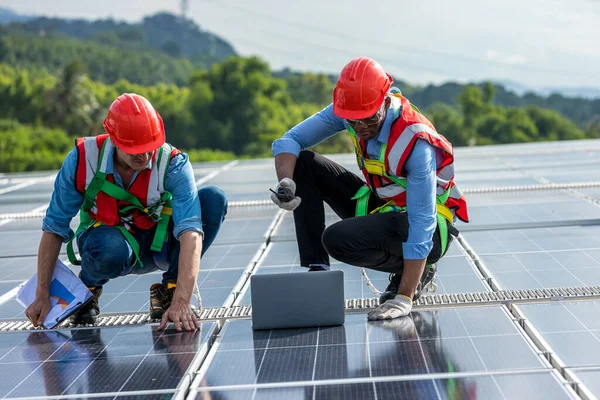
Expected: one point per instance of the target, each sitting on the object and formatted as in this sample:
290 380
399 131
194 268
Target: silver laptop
296 300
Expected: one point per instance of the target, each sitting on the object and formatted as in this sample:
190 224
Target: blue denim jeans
105 254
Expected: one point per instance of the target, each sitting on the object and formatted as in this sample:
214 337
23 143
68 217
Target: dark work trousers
372 241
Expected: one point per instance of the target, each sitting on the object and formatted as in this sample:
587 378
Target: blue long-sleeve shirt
420 170
66 200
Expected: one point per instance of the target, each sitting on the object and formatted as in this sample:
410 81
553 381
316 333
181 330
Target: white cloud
515 59
511 59
492 55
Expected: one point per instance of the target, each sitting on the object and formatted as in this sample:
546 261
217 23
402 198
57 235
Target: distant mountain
584 92
589 93
513 86
164 32
7 16
581 110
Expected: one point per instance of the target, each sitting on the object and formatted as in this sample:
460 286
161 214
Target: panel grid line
373 379
587 329
315 363
89 364
184 389
508 300
420 342
368 349
470 337
117 395
535 340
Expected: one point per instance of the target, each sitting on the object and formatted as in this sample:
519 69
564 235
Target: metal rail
435 301
263 203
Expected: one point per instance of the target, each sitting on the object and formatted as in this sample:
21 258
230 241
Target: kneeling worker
400 218
140 211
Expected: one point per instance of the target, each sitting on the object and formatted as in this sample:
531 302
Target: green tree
172 48
249 106
310 88
512 125
31 148
551 125
71 105
593 129
449 123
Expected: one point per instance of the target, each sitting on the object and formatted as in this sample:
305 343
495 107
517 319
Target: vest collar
110 167
394 111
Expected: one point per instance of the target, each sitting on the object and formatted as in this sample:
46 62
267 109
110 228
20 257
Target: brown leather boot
88 314
161 296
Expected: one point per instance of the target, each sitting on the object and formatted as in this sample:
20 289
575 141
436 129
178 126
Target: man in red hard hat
139 210
400 218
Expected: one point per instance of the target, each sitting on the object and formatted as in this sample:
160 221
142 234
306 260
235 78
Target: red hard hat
134 125
360 89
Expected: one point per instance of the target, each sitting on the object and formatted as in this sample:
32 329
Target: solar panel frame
502 256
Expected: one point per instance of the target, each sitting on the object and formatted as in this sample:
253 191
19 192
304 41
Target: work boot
161 296
88 313
426 279
392 288
426 283
316 268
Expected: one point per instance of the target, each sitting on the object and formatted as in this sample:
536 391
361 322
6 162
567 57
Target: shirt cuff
416 251
65 233
189 224
286 146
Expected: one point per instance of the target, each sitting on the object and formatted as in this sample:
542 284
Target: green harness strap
100 183
362 207
363 194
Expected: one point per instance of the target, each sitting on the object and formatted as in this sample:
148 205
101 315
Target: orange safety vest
386 176
143 205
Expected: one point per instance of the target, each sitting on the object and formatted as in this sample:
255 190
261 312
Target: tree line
234 108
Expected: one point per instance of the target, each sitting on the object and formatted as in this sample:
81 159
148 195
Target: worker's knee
213 202
104 253
335 241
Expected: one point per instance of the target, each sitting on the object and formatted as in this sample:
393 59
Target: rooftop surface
535 223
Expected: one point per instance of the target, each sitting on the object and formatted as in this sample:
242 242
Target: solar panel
126 359
539 385
518 239
572 330
468 340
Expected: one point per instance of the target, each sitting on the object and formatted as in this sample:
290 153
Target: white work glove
285 195
399 306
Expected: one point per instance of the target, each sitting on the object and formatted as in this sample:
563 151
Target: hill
164 32
8 16
581 110
161 48
103 62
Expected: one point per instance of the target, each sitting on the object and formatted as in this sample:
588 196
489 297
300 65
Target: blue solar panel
492 352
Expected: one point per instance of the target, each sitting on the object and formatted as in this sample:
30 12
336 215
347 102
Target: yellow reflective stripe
375 167
355 142
445 212
390 203
167 211
392 206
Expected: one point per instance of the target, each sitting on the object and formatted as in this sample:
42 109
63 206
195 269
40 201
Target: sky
538 43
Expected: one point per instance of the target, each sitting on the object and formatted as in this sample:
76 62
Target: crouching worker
398 219
140 211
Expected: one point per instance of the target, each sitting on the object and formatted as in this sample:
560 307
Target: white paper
67 293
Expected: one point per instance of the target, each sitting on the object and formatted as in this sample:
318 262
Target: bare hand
182 315
38 310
